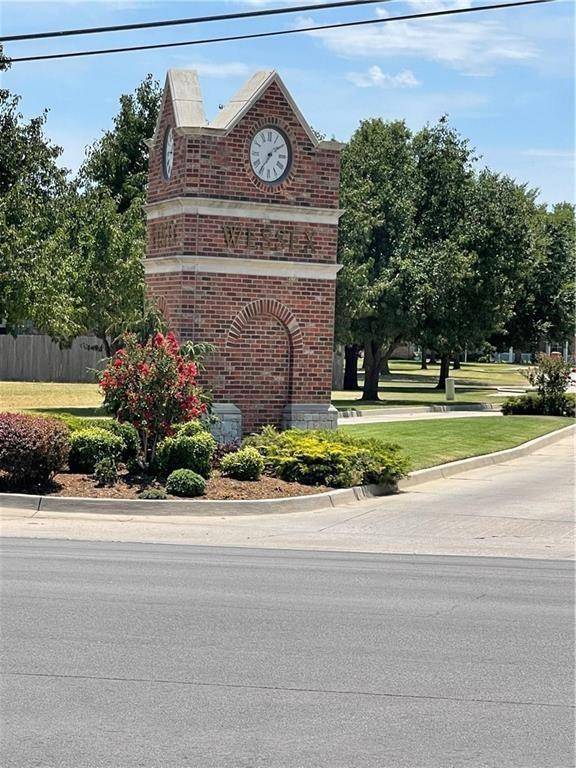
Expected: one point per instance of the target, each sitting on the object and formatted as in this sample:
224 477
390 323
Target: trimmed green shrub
185 482
183 452
190 428
129 436
89 446
105 471
153 493
532 404
32 448
245 464
333 458
525 405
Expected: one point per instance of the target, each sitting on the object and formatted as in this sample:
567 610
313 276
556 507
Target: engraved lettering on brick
262 238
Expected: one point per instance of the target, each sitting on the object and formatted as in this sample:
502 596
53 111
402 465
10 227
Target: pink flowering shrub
152 386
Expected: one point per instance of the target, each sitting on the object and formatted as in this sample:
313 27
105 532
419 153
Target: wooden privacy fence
33 357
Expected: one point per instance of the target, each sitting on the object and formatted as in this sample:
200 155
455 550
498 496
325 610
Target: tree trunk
386 355
372 370
338 368
367 355
456 365
351 353
424 360
107 346
444 371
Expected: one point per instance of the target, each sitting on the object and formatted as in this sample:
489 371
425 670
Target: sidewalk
372 416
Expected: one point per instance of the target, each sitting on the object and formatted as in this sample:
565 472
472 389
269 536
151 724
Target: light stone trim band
242 209
233 266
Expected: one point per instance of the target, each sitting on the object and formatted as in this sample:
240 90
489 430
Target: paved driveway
523 508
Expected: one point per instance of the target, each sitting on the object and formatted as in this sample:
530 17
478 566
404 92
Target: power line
255 35
192 20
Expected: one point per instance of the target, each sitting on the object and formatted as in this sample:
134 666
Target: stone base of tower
310 416
227 427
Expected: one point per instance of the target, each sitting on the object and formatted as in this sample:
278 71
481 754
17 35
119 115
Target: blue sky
504 77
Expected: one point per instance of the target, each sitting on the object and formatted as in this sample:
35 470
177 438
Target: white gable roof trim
183 87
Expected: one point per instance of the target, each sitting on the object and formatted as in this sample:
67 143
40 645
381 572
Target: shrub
89 446
551 377
186 453
129 436
106 472
223 449
32 448
190 428
333 458
532 404
528 404
152 385
185 482
245 464
153 493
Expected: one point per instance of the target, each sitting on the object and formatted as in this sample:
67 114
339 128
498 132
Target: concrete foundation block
310 416
228 425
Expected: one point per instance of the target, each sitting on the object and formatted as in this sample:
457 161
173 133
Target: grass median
429 442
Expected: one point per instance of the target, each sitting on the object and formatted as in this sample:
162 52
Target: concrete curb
312 503
476 462
78 504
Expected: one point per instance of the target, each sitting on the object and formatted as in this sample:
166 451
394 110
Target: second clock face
270 155
168 153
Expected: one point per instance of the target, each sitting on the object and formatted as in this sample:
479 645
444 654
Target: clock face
270 155
168 153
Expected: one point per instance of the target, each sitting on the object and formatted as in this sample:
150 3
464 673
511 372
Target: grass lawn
408 385
18 395
435 442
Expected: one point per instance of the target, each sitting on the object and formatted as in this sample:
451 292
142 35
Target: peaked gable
248 95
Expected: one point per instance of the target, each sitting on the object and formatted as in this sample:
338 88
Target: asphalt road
162 656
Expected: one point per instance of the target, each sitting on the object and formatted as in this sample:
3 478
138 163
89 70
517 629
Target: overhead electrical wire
276 33
192 20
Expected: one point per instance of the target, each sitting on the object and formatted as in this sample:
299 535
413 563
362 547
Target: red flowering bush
32 448
152 386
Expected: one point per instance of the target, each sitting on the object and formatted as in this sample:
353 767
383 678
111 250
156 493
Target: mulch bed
218 487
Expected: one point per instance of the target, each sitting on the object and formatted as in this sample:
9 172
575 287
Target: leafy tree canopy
118 161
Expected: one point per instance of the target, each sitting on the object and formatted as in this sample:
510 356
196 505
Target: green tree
31 189
375 296
118 161
100 271
555 298
444 177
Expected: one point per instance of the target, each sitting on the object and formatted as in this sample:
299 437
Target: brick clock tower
242 232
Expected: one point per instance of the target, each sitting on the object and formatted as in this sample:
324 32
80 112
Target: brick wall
273 334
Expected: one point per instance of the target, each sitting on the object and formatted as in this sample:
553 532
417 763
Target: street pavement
522 508
123 655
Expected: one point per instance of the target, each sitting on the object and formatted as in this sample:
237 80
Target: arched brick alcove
262 343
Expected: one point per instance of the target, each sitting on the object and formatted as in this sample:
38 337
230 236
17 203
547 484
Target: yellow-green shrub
321 457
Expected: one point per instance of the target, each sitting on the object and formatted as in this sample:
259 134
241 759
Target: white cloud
374 77
470 46
556 154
